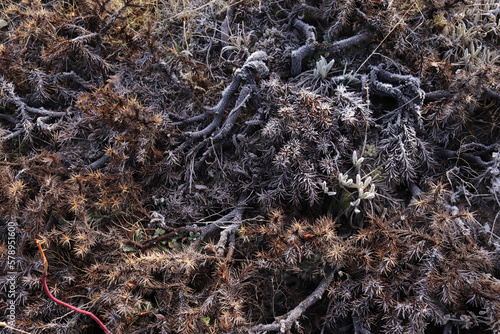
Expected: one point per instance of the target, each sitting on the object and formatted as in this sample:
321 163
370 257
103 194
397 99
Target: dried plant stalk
60 302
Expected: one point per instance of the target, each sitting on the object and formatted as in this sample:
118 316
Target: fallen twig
284 323
404 88
166 236
436 95
470 158
99 163
9 119
234 217
492 93
3 324
230 231
107 26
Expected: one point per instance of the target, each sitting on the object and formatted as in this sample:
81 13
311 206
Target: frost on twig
244 77
405 89
305 50
436 95
312 45
403 150
214 132
27 117
467 157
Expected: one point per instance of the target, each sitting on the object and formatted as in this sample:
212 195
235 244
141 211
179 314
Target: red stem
46 288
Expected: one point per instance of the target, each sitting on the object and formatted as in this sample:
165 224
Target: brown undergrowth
249 166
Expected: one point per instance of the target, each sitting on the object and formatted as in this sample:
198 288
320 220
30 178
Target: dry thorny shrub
251 166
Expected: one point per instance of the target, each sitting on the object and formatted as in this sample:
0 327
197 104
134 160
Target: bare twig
218 110
470 158
405 89
361 37
305 50
284 323
99 163
233 217
244 96
492 93
436 95
230 231
225 30
107 26
75 77
44 112
9 119
12 135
